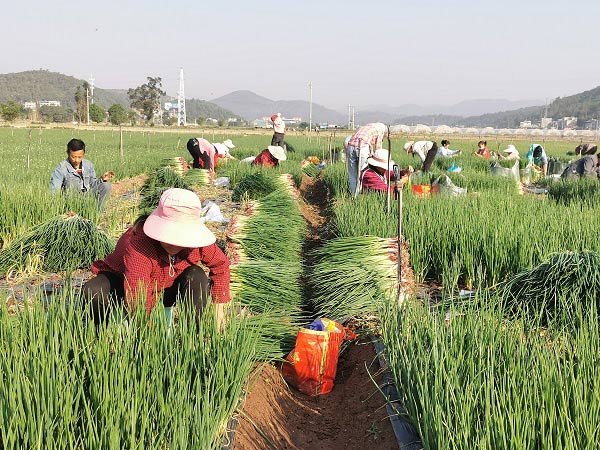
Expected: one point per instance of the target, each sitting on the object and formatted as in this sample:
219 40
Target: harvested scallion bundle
254 186
67 242
353 275
197 177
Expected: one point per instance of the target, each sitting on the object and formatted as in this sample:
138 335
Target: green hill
36 85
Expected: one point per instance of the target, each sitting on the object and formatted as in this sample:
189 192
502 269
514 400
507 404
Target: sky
354 52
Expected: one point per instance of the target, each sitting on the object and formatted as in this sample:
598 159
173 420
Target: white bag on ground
212 213
221 182
513 172
445 186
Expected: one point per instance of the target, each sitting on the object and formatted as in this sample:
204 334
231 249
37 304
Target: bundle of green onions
253 187
64 243
163 177
554 289
311 170
158 181
177 164
354 275
197 177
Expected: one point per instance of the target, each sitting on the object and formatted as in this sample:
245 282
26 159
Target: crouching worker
160 254
588 167
270 156
375 176
77 174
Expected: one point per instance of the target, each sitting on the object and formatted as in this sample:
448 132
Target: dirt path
352 416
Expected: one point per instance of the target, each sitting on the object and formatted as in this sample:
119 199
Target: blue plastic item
454 168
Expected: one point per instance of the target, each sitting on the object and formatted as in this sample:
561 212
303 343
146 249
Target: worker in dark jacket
585 167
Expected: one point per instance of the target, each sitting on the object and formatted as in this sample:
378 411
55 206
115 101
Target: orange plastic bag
312 365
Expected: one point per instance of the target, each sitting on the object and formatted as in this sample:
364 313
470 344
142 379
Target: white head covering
380 159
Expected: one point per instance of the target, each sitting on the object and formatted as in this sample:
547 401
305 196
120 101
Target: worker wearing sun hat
222 150
511 153
377 173
270 156
162 253
426 150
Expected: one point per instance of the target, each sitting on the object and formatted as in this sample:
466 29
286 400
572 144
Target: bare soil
352 416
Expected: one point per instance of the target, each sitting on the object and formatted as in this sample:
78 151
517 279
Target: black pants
277 139
194 149
107 290
429 158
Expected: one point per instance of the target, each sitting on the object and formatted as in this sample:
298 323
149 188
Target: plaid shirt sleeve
218 264
139 265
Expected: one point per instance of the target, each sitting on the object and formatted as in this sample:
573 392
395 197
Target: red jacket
145 266
374 181
265 159
484 152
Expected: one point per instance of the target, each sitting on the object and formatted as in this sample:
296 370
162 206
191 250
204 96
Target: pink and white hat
177 220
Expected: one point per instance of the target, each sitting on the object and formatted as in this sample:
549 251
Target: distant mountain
252 106
464 109
35 85
584 106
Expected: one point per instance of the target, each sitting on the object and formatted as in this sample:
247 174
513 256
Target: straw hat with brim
277 152
511 149
227 143
408 145
177 220
221 149
380 159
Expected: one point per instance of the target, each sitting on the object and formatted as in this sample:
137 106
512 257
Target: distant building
526 124
546 121
261 123
591 124
567 123
30 105
48 103
171 108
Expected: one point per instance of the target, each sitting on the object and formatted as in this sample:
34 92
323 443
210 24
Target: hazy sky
359 52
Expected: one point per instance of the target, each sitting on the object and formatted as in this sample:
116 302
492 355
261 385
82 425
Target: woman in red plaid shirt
161 255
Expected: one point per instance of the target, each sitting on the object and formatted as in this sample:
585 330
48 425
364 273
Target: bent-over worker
585 167
426 150
366 140
270 156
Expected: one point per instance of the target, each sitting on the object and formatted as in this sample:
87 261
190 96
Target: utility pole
92 87
181 116
310 107
87 103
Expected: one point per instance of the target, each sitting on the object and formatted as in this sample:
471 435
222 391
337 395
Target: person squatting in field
270 156
278 130
206 155
425 150
588 167
511 153
445 150
376 175
160 255
77 174
537 155
362 144
482 150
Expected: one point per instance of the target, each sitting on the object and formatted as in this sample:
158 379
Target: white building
48 103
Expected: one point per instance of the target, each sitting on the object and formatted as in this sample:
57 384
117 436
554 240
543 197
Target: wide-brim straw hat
408 145
177 220
511 149
380 159
228 143
277 152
